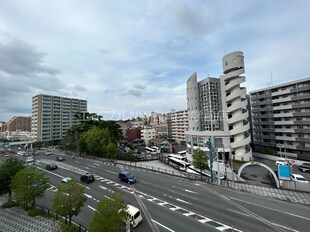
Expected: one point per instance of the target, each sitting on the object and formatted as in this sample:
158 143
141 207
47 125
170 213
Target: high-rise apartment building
177 122
281 118
217 110
52 116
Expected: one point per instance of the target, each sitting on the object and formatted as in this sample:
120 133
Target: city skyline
131 57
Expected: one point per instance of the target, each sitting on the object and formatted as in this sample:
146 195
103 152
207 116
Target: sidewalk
16 219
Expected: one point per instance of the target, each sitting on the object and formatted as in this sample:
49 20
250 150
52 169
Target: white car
65 180
29 160
281 161
299 178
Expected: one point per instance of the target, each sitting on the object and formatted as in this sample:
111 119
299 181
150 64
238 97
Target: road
170 203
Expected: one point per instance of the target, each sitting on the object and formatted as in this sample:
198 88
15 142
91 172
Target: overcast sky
128 58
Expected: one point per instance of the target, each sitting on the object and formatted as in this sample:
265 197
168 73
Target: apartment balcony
232 83
281 92
238 118
239 130
283 115
241 143
284 99
239 105
284 130
285 138
283 122
283 107
236 94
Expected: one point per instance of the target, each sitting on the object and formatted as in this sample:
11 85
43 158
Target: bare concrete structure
217 109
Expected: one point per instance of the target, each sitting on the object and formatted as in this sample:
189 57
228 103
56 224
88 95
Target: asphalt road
170 203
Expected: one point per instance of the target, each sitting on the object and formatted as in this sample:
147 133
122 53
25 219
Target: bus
179 157
180 164
183 153
150 150
156 148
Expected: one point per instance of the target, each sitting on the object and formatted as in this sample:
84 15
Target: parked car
60 158
299 178
87 178
65 179
127 177
29 160
281 161
51 167
304 167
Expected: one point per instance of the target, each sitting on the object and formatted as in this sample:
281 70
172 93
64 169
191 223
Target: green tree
8 170
69 199
112 150
110 215
200 160
28 184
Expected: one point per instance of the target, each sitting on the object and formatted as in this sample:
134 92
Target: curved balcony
236 94
240 105
238 118
240 129
234 82
241 143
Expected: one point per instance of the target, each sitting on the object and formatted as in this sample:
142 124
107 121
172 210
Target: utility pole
209 144
218 168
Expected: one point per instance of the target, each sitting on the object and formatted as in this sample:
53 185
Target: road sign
284 172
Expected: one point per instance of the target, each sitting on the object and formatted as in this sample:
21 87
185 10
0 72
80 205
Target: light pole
209 144
280 147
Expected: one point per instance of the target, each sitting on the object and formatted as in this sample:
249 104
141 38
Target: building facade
52 116
177 122
217 112
147 134
18 123
281 119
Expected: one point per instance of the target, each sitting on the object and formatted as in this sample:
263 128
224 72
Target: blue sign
284 172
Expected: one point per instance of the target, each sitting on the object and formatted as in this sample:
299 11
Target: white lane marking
250 203
244 214
162 225
110 172
190 191
178 199
97 164
285 227
88 196
103 187
86 167
91 207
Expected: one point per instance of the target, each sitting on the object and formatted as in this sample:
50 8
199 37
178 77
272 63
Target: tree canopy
28 184
110 215
93 135
200 160
8 170
69 199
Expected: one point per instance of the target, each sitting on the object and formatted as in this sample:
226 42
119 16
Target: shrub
9 204
32 212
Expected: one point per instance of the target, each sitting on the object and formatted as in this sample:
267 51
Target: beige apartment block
52 116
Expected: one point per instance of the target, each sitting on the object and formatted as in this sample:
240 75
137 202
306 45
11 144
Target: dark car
87 178
60 158
51 167
127 177
304 167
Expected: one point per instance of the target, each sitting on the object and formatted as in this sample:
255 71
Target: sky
131 58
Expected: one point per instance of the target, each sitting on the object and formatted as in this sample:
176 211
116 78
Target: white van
134 215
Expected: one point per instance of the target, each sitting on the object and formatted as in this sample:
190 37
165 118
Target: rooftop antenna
271 80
